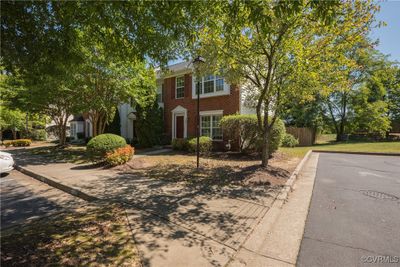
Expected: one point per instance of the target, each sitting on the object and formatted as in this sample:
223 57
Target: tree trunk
14 134
265 149
265 140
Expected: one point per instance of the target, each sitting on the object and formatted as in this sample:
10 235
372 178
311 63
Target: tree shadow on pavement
93 236
212 203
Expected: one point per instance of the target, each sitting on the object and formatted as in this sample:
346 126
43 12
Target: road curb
271 217
357 153
55 183
288 187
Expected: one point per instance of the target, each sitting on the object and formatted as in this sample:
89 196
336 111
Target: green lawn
386 147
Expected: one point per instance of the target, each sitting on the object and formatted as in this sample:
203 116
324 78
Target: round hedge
289 141
98 146
205 144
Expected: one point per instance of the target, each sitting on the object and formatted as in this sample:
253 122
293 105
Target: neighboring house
176 94
80 127
51 129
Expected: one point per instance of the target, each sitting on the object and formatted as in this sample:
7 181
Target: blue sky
389 36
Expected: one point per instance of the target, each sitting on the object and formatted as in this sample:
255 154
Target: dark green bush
80 136
289 141
205 144
98 146
242 128
38 135
245 129
180 144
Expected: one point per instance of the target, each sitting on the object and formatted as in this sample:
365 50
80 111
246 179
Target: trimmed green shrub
7 143
180 144
205 144
242 128
245 129
289 141
98 146
18 142
120 155
38 135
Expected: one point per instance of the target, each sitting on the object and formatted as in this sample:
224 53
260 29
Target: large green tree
87 56
278 49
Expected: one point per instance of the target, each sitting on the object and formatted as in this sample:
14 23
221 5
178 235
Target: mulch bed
216 169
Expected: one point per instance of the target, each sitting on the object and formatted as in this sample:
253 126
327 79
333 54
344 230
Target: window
219 83
210 126
210 84
180 87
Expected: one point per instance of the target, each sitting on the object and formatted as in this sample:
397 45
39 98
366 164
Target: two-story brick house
177 96
179 100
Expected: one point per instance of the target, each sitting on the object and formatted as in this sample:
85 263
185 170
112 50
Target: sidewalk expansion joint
175 223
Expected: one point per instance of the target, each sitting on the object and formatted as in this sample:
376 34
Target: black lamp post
196 62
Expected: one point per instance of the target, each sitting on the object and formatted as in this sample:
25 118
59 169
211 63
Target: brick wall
228 103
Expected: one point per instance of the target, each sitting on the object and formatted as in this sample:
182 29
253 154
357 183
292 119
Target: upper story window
180 87
211 84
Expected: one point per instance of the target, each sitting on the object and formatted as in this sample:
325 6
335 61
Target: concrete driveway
24 198
355 212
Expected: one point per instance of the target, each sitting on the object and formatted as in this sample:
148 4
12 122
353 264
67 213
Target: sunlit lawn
385 147
73 154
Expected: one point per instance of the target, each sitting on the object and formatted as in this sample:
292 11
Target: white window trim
73 129
179 111
226 90
211 113
176 87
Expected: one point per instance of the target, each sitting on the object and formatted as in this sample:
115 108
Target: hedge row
183 144
18 142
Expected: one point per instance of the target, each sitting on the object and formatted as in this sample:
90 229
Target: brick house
178 97
176 94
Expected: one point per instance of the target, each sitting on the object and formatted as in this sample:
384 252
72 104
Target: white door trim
179 111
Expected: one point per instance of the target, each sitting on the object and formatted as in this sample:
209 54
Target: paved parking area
24 198
354 217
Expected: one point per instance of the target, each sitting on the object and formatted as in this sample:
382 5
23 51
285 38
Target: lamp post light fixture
196 63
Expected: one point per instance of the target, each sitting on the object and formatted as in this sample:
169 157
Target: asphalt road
24 198
354 214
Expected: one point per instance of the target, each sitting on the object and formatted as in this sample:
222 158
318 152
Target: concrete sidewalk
175 224
276 240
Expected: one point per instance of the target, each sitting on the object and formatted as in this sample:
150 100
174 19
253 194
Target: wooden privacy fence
306 136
